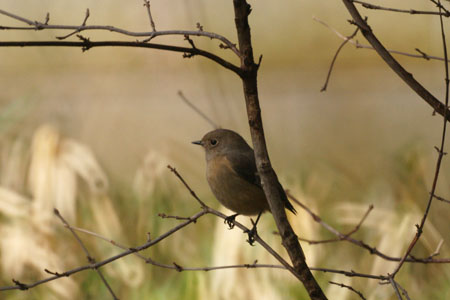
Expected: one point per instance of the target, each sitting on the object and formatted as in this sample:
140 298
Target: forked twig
362 46
359 243
324 88
90 259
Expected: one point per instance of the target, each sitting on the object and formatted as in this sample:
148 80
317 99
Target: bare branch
359 45
40 26
404 292
441 154
147 5
197 110
77 30
441 199
341 237
269 180
394 286
350 288
351 273
359 243
441 7
193 194
22 286
324 88
90 259
407 77
407 11
164 216
86 45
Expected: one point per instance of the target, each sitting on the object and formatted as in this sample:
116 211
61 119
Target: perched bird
233 178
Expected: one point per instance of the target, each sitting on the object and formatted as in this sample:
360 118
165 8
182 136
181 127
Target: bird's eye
213 142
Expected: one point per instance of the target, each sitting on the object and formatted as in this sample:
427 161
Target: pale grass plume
57 164
23 248
14 161
304 225
391 232
147 175
129 270
13 205
50 183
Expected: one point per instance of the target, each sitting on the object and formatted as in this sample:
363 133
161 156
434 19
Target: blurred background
92 133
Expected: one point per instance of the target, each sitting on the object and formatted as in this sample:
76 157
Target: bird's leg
252 233
230 220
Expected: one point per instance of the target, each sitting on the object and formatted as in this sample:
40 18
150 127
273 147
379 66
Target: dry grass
64 173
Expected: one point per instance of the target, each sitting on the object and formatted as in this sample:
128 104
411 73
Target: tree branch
406 11
362 244
35 25
90 259
441 154
87 44
407 77
350 288
22 286
268 177
358 45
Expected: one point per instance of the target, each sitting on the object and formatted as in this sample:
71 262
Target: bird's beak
197 143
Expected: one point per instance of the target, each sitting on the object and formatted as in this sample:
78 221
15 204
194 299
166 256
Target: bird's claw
252 234
230 221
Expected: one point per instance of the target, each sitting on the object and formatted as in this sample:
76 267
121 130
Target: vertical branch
268 177
90 259
440 150
149 12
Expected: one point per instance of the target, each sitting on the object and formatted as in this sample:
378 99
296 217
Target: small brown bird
233 178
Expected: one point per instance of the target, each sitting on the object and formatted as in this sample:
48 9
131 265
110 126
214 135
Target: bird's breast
232 190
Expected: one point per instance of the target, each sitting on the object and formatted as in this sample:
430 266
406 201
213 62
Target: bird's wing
243 163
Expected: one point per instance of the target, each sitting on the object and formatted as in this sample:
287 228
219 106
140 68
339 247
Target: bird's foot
230 221
252 234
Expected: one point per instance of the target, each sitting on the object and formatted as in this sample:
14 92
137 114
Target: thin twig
441 154
438 249
197 110
441 7
403 290
395 287
164 216
78 29
147 5
342 237
441 199
407 11
351 273
90 259
324 88
395 66
40 26
23 286
350 288
87 44
202 204
359 45
359 243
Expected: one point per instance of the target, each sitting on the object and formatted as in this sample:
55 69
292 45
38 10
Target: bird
233 178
